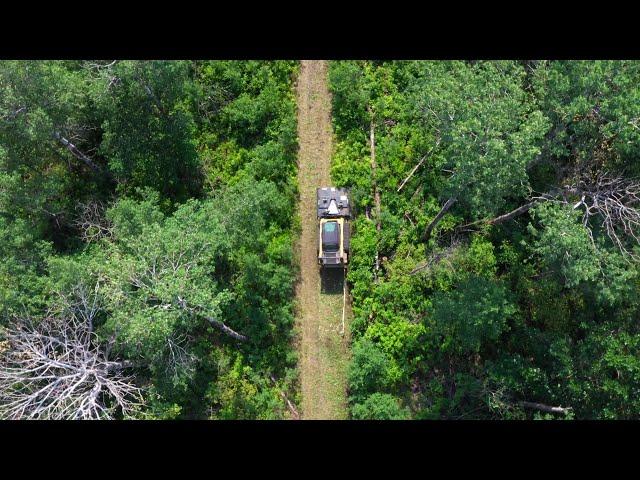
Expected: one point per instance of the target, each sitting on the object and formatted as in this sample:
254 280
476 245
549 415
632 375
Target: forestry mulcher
334 233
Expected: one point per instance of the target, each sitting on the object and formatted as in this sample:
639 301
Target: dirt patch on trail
322 339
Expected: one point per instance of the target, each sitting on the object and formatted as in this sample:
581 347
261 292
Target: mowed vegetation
503 280
146 237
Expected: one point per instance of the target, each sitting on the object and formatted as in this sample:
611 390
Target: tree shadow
331 281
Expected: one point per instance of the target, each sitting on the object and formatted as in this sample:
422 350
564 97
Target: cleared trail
323 350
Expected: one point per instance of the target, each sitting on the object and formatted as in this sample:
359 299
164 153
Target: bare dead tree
92 222
615 201
56 369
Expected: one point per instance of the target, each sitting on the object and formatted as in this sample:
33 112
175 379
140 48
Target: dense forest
146 238
494 271
148 225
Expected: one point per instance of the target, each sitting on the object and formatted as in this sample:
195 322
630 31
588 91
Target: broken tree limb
221 326
445 208
544 408
213 321
506 217
78 154
514 213
417 167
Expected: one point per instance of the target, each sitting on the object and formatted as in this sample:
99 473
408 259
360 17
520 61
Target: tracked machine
334 231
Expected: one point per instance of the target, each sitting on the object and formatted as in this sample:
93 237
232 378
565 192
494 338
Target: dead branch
413 170
12 116
438 257
224 328
506 217
100 66
408 217
150 93
178 358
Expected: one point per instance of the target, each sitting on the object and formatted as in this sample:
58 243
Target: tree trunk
445 208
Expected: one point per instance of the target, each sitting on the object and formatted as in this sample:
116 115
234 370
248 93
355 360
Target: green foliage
472 316
594 108
241 394
370 370
482 317
489 127
379 406
148 132
565 246
194 163
351 95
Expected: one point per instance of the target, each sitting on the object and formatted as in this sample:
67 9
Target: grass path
323 351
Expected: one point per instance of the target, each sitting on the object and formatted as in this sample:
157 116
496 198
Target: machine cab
334 212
